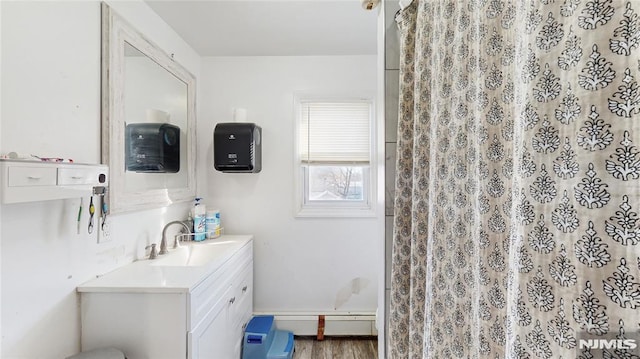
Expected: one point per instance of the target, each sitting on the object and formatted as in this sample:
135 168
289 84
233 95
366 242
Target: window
334 157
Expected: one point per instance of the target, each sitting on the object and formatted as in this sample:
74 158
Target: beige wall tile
392 37
390 177
388 239
391 105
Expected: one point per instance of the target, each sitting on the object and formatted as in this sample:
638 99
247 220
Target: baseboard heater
334 324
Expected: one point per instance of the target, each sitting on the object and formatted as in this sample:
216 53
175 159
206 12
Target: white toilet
102 353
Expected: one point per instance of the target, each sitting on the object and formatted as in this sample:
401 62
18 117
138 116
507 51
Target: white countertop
146 276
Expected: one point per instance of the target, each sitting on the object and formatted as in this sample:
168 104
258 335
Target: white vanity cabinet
204 321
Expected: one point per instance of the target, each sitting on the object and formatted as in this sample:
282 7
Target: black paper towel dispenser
237 147
152 147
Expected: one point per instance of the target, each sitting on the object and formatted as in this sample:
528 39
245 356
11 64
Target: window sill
335 212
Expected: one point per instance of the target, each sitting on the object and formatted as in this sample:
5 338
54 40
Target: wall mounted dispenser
152 147
237 147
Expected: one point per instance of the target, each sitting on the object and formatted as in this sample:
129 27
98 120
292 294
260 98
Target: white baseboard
348 324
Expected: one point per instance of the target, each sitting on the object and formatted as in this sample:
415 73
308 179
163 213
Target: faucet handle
180 237
154 252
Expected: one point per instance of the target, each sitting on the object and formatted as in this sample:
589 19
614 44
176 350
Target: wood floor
336 348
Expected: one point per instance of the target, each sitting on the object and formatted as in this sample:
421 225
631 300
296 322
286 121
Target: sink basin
194 255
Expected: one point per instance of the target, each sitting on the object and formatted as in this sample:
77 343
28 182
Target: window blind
335 132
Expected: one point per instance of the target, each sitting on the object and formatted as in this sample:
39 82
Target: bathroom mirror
148 120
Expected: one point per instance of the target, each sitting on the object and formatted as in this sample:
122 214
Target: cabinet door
242 308
210 339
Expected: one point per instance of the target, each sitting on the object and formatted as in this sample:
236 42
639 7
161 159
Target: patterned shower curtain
516 229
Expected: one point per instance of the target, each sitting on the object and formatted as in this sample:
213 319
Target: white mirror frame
115 32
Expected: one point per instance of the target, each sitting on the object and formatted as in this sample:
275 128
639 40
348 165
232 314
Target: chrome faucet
163 243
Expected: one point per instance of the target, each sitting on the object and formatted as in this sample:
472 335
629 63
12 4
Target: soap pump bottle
199 224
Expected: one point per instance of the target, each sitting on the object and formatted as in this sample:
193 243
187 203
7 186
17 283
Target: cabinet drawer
20 176
79 176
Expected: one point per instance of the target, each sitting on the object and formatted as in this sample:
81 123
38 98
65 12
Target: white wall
50 99
301 265
50 105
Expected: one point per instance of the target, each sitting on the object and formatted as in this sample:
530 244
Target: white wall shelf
31 181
